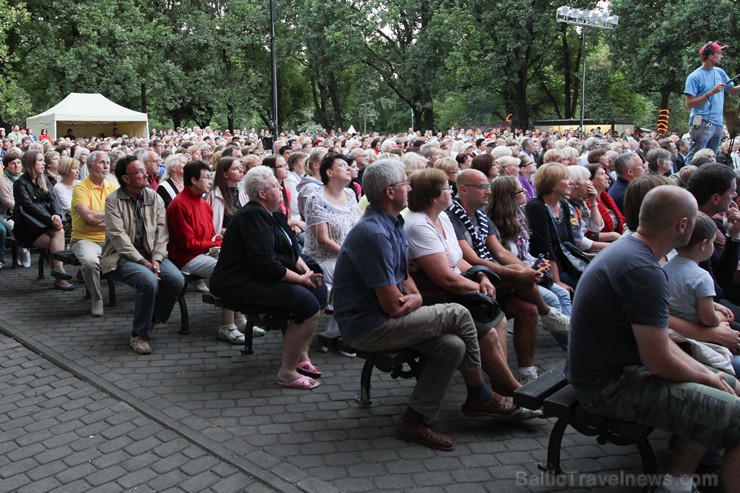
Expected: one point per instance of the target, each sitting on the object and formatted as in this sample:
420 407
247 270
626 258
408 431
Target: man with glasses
518 294
135 250
152 161
88 224
379 308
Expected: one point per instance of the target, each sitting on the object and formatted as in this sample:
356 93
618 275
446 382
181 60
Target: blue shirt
373 255
701 81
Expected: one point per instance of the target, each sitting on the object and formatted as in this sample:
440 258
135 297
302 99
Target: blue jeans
154 298
557 297
705 136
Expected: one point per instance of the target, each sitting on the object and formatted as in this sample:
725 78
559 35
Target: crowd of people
309 226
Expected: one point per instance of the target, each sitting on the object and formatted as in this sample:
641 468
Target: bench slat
533 394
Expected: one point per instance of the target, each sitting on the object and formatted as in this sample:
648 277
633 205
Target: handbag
571 257
29 222
482 307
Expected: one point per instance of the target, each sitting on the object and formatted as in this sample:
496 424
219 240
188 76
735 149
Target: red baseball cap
712 45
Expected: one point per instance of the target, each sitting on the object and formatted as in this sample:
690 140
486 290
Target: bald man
621 360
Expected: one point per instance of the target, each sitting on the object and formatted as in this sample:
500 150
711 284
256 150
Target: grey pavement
80 412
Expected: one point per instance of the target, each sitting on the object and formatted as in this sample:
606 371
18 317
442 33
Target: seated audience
584 211
549 218
331 212
171 182
621 360
436 263
608 210
37 216
518 294
88 224
260 264
506 213
135 250
192 238
378 307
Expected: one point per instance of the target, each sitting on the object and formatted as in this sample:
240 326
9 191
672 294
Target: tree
657 52
14 101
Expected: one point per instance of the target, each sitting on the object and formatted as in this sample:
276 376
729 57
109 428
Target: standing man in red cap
705 97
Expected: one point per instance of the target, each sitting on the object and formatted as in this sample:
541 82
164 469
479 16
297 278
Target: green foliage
438 63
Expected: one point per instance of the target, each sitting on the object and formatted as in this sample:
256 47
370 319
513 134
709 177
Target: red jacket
606 204
190 225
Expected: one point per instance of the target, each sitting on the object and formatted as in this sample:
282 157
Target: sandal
301 383
307 369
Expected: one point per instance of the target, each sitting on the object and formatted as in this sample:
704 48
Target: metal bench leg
648 457
184 315
42 254
111 292
14 254
248 342
553 447
365 382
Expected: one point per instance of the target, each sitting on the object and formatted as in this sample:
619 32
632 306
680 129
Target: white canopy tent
89 115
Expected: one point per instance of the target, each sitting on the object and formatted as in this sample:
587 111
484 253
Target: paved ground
80 412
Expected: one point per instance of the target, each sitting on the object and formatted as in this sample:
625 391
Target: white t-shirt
424 239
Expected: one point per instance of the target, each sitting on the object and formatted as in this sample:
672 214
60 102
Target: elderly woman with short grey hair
171 182
259 265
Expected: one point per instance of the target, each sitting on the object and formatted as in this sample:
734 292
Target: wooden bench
68 257
552 392
13 244
404 363
255 314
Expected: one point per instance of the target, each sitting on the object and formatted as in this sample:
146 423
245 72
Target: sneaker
556 322
139 345
199 285
344 350
25 257
256 330
230 334
527 374
522 413
97 308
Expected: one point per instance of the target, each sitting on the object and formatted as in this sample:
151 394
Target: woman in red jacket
610 213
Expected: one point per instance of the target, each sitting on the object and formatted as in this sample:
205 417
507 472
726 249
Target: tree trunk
143 97
576 87
521 111
336 102
567 73
230 116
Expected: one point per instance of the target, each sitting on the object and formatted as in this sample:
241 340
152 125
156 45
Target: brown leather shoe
424 435
496 408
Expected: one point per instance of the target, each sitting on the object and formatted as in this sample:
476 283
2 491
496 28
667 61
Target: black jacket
36 203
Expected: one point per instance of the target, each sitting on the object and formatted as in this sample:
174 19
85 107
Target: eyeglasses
400 184
479 186
446 188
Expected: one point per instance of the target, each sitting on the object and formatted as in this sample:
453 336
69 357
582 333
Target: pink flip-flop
301 383
306 368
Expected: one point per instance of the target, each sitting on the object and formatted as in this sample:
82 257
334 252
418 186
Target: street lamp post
273 55
585 18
